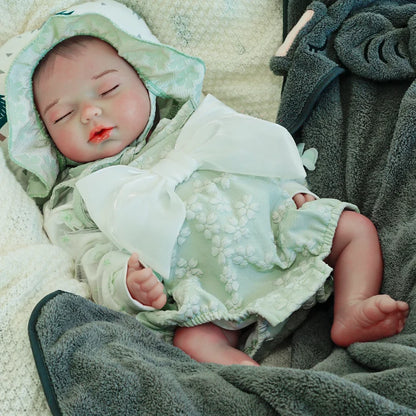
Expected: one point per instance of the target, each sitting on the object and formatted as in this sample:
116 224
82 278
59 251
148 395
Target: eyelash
102 95
110 90
61 118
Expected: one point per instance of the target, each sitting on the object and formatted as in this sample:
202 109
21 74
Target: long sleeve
295 187
98 261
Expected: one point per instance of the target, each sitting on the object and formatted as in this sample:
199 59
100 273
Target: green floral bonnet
167 74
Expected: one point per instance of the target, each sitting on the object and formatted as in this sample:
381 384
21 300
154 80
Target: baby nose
88 112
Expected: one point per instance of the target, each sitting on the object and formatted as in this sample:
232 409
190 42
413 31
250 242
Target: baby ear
291 36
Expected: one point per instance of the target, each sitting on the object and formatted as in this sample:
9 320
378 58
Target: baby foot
371 319
143 285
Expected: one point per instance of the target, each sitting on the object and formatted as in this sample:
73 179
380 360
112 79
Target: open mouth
100 134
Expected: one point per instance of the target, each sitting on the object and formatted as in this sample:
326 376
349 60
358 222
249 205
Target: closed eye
110 90
61 118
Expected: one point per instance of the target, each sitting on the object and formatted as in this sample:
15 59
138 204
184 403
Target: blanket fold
99 362
362 123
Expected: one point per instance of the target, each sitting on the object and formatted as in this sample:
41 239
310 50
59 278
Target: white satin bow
139 211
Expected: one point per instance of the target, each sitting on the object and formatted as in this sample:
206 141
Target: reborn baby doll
200 223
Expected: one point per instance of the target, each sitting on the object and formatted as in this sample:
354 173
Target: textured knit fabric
30 268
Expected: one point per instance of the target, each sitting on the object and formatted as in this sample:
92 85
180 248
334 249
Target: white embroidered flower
279 213
220 203
304 267
262 265
268 261
231 286
187 269
284 280
244 255
207 224
181 262
192 308
236 228
229 277
281 307
221 248
183 235
223 180
247 208
204 187
211 188
234 302
277 216
193 207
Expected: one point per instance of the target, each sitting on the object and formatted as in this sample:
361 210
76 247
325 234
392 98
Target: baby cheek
58 135
64 140
134 109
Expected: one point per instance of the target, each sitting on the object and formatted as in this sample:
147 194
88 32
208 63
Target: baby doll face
91 101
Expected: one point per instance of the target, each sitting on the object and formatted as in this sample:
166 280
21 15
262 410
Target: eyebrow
101 74
48 107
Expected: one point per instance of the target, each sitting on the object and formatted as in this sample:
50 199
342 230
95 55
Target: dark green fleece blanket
349 92
94 361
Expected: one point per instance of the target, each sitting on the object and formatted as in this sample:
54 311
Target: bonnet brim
166 72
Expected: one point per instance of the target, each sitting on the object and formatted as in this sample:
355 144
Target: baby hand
143 285
301 198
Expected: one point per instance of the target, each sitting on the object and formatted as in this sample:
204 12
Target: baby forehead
77 48
79 43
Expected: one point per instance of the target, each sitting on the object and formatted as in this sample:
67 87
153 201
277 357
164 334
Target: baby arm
143 285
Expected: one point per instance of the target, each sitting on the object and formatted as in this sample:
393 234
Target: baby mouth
100 134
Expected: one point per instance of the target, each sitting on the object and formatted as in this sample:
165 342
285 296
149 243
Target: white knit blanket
30 268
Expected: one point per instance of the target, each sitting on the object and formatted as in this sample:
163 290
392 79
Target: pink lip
99 134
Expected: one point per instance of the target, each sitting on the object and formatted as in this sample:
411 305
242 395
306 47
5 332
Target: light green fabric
167 73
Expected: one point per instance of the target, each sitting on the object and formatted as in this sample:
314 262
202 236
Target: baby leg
360 313
209 343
